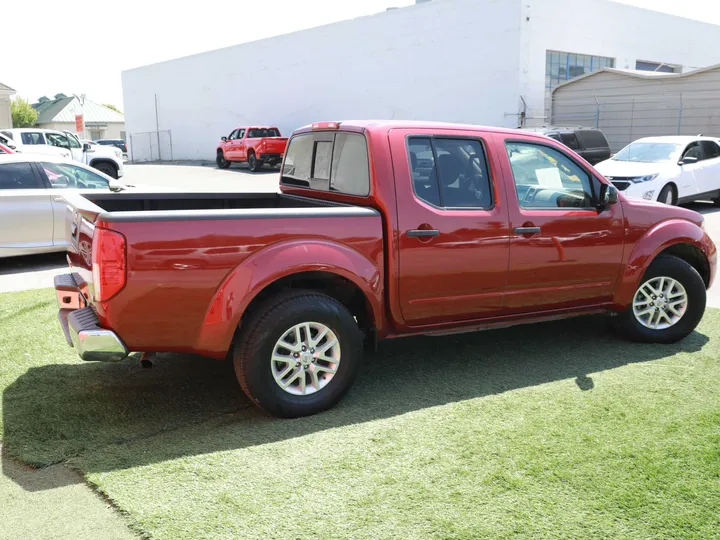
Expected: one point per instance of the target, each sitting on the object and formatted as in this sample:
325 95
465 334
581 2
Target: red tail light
108 263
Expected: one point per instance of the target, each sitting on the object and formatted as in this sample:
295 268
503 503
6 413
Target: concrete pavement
38 271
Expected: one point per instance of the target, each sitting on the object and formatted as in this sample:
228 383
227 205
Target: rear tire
633 324
254 163
222 163
716 202
310 387
668 195
108 169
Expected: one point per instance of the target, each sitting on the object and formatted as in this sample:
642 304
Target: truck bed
182 249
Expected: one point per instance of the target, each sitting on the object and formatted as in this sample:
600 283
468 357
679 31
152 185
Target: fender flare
655 241
272 263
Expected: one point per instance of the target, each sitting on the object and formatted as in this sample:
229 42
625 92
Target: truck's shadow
108 417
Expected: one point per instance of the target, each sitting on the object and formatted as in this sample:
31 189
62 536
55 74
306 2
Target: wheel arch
98 161
679 238
316 265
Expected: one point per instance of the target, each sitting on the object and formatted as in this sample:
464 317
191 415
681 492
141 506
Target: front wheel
667 195
668 304
222 163
298 354
108 169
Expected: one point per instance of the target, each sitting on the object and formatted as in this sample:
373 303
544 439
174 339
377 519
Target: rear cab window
591 138
328 161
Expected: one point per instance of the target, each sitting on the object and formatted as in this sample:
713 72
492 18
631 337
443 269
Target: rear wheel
667 195
298 354
107 168
222 163
667 305
254 163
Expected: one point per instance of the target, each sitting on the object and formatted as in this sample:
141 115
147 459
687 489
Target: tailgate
81 217
275 145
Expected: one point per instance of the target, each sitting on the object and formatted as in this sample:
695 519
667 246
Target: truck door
240 146
564 252
452 225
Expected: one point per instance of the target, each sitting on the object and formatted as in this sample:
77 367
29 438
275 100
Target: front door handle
423 233
526 230
58 199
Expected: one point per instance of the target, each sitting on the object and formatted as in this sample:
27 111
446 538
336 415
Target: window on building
657 66
561 67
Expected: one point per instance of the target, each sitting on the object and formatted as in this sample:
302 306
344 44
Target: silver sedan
33 211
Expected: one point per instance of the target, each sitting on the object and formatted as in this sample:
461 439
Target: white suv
63 143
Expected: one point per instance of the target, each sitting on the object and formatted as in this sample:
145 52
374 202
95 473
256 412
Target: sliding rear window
328 162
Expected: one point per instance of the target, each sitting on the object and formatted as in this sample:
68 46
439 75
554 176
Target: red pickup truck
381 230
255 146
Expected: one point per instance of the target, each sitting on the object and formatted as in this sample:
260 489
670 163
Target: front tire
298 354
108 169
254 163
667 196
222 163
668 304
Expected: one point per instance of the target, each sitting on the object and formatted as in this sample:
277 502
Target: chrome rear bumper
81 326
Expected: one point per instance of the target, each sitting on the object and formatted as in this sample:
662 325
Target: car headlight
646 178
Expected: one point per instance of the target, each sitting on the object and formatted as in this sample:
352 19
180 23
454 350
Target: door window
710 149
240 134
693 150
570 140
17 176
55 139
74 142
232 136
62 175
450 173
32 138
545 178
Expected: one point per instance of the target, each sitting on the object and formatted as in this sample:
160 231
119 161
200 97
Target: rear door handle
526 230
58 199
423 233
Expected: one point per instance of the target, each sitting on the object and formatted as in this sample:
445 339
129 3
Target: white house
476 61
5 113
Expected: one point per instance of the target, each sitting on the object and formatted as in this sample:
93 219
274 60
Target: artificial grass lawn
552 430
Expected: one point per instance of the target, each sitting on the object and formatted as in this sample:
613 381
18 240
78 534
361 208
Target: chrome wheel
660 302
305 358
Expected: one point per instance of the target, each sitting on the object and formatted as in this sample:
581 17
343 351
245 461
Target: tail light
108 263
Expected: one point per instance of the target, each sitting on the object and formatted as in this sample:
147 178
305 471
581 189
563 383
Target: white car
32 205
107 160
671 170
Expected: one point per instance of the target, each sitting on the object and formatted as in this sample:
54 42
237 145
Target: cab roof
387 125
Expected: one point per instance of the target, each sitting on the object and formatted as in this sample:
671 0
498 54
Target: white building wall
604 28
5 112
447 60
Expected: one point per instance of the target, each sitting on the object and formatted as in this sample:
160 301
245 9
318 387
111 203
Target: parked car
589 143
255 145
117 143
63 143
671 170
422 228
7 141
32 204
5 150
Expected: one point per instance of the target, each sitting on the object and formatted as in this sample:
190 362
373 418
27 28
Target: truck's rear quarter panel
175 268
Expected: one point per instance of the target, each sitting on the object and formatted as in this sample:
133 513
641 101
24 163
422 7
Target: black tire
664 195
716 202
254 163
259 335
627 325
221 162
107 168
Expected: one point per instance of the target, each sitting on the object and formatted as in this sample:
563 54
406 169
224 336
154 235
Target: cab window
55 139
545 178
74 142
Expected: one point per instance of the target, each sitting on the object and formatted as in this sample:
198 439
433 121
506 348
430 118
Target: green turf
552 430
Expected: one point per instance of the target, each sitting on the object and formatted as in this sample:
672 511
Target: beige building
5 114
100 121
629 104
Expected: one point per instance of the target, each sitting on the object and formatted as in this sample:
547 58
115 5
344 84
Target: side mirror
608 197
223 139
688 160
86 147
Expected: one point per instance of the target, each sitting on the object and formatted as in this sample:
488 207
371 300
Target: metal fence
627 118
150 146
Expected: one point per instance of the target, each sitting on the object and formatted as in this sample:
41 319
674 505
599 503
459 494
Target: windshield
650 152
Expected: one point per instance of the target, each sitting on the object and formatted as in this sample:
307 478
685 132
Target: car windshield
650 152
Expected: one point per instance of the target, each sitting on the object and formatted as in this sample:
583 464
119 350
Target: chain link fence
624 119
150 146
